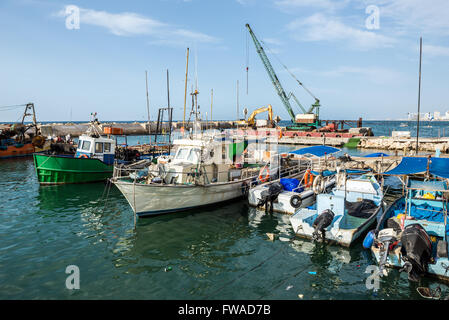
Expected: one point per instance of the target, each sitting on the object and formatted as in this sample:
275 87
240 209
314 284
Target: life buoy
318 185
308 179
295 201
83 156
262 177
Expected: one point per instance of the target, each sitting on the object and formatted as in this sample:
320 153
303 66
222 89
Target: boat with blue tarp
412 234
345 213
298 188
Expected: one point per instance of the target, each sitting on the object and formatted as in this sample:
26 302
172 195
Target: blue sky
355 71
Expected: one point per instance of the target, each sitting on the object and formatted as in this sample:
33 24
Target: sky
359 60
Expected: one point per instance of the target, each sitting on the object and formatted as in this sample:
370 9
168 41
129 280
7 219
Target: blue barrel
369 239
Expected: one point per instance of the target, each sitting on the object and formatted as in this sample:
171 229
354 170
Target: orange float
308 179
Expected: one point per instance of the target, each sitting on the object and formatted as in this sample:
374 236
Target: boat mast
419 94
148 103
185 90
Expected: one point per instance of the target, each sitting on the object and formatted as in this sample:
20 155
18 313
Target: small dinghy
344 214
412 234
297 188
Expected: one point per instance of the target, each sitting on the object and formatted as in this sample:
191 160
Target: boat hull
334 234
15 151
152 199
283 205
394 258
52 169
438 269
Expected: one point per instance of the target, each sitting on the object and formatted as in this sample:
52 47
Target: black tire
295 201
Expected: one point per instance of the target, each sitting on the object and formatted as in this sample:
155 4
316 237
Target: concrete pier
405 144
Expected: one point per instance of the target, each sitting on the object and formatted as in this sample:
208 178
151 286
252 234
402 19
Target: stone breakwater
135 128
405 144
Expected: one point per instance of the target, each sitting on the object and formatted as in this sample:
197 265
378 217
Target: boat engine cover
321 222
416 250
271 194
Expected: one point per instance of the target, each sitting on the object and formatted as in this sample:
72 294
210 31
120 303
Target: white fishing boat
199 174
344 214
299 185
205 169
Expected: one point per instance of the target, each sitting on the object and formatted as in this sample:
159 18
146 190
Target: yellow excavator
251 122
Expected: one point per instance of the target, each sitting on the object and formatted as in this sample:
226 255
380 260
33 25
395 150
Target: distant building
428 116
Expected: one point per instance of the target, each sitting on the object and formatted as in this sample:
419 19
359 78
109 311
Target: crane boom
304 119
277 85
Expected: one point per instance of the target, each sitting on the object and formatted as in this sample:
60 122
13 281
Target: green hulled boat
58 169
93 160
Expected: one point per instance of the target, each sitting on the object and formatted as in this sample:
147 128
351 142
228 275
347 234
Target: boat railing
252 174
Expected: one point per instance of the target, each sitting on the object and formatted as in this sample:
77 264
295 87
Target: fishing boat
93 160
412 234
200 173
19 139
298 185
344 214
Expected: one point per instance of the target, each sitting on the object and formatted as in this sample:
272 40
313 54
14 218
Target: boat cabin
101 148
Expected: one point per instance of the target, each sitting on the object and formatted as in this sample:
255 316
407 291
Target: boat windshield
188 155
86 145
182 154
193 156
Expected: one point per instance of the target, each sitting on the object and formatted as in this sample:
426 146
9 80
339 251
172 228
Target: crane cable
247 62
300 83
7 108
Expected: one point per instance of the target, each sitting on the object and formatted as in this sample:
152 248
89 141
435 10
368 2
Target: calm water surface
218 253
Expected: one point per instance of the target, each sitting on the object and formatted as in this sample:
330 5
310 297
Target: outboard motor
323 221
416 251
270 195
385 238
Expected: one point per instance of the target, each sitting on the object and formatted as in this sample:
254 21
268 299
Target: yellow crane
251 122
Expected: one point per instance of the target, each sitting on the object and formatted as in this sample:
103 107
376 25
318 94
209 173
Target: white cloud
273 41
319 27
378 75
432 50
132 24
425 16
121 24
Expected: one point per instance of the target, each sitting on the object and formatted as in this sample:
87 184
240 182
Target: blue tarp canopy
437 185
377 154
411 165
440 167
318 151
